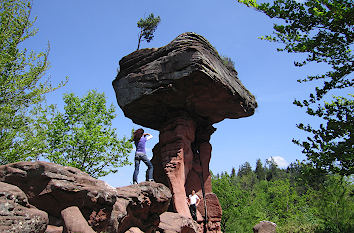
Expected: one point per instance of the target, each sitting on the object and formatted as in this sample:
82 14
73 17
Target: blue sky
88 38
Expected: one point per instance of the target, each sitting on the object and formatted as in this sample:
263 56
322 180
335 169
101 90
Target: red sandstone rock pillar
173 159
181 161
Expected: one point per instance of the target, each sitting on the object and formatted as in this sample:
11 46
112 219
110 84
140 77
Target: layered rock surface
176 223
182 89
186 75
53 188
73 201
16 214
140 206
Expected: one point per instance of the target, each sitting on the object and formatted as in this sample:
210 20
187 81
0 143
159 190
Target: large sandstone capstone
186 75
182 89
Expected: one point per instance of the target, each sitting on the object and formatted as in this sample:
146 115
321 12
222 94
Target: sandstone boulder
186 75
176 223
74 221
54 229
53 188
134 230
265 227
75 201
139 206
16 214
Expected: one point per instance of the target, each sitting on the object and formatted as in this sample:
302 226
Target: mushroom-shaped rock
182 89
187 75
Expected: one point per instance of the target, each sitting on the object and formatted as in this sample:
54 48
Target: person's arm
149 136
198 200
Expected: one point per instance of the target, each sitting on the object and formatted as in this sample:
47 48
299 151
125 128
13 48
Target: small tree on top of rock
228 62
147 28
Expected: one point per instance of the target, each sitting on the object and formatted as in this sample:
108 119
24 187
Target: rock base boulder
53 188
74 221
176 223
16 214
265 227
84 204
139 206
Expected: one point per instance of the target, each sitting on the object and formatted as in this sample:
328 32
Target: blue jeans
150 170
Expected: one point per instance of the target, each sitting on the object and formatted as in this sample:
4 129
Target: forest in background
293 198
306 197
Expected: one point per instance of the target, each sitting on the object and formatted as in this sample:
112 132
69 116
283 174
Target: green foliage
21 81
244 169
288 200
147 28
228 62
335 204
83 136
323 31
331 146
227 196
260 171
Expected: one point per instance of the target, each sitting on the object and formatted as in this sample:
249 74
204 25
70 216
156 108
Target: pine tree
147 28
260 171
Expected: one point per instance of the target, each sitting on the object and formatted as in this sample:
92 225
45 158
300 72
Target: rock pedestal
181 90
181 161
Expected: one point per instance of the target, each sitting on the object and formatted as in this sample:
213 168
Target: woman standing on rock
140 139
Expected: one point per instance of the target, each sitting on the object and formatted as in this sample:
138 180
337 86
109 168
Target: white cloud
280 161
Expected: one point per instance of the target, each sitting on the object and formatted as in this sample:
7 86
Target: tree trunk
140 35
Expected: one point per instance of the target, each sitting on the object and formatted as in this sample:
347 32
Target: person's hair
138 134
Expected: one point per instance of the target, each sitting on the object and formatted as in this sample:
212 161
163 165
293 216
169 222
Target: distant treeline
293 198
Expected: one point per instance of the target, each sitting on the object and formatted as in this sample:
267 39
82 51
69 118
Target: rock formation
265 227
34 192
53 188
139 206
74 221
16 214
176 223
182 89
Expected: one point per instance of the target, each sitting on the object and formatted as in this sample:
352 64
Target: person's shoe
151 179
135 182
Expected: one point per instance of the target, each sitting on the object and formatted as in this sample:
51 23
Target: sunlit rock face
53 188
46 197
182 89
